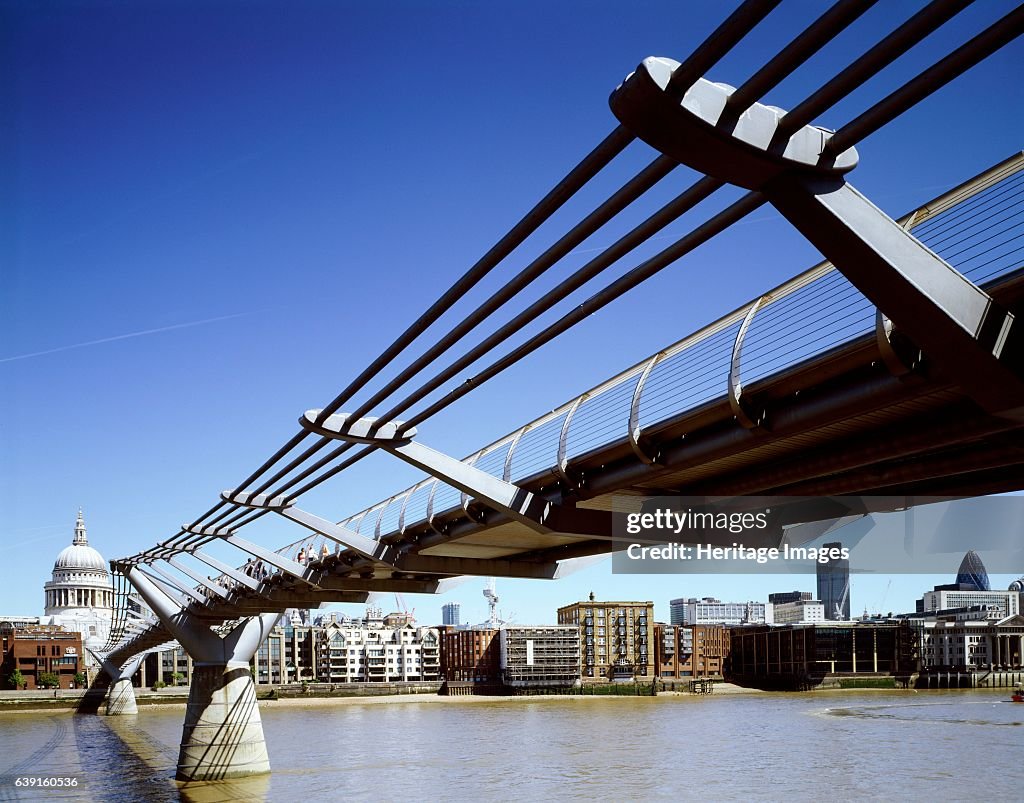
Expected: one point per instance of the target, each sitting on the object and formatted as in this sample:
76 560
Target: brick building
690 651
471 655
35 649
616 639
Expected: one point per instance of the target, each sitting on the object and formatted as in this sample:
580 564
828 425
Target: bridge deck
810 357
837 413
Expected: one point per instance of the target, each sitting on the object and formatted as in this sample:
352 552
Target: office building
970 639
834 586
798 612
471 656
171 667
450 614
800 656
789 596
972 575
1006 603
711 611
289 653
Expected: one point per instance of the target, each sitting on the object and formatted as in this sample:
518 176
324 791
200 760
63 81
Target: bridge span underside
864 414
896 369
842 424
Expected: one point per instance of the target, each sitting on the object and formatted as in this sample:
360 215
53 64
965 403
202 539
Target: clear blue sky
215 214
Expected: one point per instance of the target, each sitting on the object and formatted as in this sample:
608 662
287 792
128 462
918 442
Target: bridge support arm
963 331
360 544
517 503
375 552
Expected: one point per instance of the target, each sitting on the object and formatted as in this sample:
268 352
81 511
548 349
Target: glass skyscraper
834 586
450 614
972 573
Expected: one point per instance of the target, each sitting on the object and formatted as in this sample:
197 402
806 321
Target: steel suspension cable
723 39
993 38
788 59
870 63
591 164
643 181
585 170
814 37
623 284
747 16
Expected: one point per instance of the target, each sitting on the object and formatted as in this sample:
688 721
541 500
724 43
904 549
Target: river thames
842 745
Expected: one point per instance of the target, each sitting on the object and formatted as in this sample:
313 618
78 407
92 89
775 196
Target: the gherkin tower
972 573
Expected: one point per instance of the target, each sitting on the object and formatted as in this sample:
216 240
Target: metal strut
530 510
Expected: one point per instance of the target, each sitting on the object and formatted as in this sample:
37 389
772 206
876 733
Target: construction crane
492 600
841 602
881 604
410 615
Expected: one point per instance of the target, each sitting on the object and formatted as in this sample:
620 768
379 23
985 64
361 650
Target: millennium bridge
892 369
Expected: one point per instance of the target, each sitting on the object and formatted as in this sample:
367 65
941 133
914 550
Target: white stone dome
80 556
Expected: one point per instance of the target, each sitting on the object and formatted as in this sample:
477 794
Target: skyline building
834 586
451 614
1000 603
690 651
470 659
798 612
781 597
712 611
971 639
972 575
972 587
676 611
35 649
539 656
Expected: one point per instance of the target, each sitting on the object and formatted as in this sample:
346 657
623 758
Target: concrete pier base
223 733
121 698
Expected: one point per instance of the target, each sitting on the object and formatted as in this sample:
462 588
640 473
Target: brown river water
820 745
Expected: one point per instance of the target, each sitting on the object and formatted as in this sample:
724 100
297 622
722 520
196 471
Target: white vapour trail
122 337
